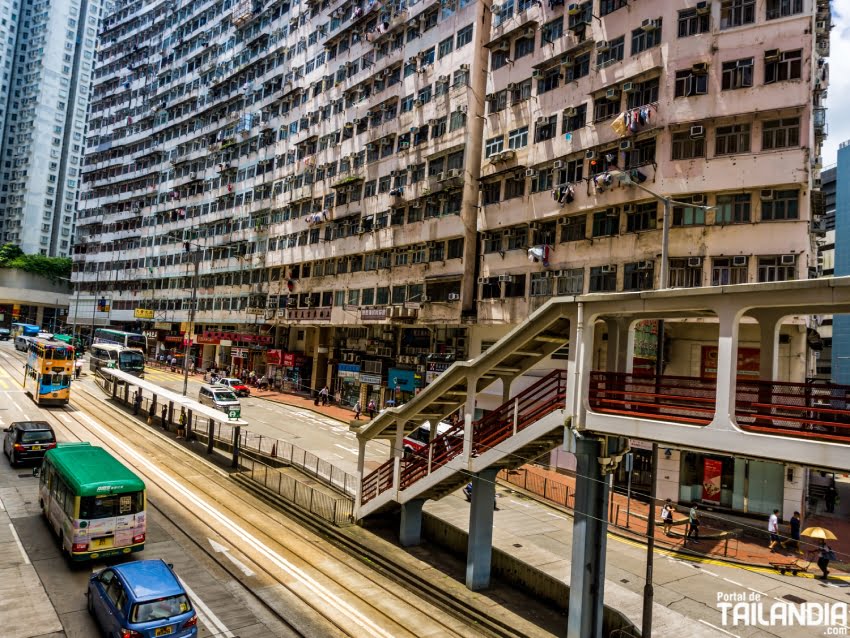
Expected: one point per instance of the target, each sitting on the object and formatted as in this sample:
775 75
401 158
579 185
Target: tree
53 268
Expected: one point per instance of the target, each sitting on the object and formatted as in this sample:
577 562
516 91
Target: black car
28 441
5 334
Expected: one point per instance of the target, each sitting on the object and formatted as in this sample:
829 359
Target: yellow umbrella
819 532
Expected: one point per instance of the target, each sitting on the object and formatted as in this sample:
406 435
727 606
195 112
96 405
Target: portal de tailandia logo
752 609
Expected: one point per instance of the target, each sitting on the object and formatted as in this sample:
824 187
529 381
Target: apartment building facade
370 192
47 57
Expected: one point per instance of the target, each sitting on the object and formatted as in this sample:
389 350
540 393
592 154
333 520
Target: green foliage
52 268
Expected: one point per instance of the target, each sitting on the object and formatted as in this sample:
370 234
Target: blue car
141 599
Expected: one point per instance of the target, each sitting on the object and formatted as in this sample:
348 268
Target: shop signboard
162 325
348 371
748 363
404 380
143 313
712 469
370 379
151 334
373 314
435 369
238 353
206 340
273 357
292 359
637 444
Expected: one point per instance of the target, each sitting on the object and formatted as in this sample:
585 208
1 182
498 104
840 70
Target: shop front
402 385
348 383
737 484
371 389
296 371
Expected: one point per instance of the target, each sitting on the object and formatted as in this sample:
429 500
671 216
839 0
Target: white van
220 398
22 343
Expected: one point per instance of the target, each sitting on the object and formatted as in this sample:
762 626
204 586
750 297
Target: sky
838 93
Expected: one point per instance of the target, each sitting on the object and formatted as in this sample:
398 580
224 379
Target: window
735 13
523 47
573 228
691 22
737 74
550 81
614 52
689 83
494 145
515 187
603 279
571 282
603 108
551 31
497 102
687 147
638 275
498 59
542 181
521 92
784 205
645 38
572 172
788 65
780 133
541 285
641 153
517 238
685 272
776 268
445 47
492 193
727 271
732 139
515 287
732 209
783 8
606 223
643 93
518 138
546 128
684 215
609 6
641 217
464 36
574 118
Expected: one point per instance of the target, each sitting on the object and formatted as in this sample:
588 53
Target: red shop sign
273 357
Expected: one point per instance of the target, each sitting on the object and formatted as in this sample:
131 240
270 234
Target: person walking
357 410
794 539
164 414
137 402
773 530
181 424
825 554
78 368
831 497
323 395
667 516
693 524
370 409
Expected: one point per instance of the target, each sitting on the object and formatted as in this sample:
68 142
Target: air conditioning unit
506 278
626 145
542 121
629 87
424 298
694 262
537 73
771 55
602 45
608 269
418 103
766 195
645 265
193 175
511 86
698 199
697 131
612 94
432 122
558 164
567 60
788 260
371 147
650 24
464 67
530 172
441 176
570 111
739 260
591 155
504 45
507 155
443 79
700 68
482 280
573 9
529 32
453 296
453 172
461 108
703 8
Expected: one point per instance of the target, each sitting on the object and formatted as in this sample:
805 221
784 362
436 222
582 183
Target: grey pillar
479 550
210 435
506 389
126 393
590 527
410 531
237 432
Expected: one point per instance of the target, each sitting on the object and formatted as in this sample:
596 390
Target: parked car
141 599
5 334
27 441
236 385
218 397
417 441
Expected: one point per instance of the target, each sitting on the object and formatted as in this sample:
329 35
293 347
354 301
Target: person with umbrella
824 552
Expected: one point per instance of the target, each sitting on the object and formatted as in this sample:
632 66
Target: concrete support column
410 531
320 358
727 368
479 550
590 528
572 368
619 345
769 325
506 388
361 466
584 339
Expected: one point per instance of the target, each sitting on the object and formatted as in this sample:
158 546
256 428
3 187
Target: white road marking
2 507
20 546
206 615
352 450
221 549
728 633
307 581
729 580
710 573
66 418
563 518
760 593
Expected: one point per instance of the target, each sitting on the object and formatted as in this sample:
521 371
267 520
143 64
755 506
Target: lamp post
187 337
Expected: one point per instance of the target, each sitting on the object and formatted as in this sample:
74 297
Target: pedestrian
667 516
357 410
338 398
173 363
164 413
794 539
324 395
181 424
825 554
693 524
137 402
831 497
370 409
317 396
773 530
78 368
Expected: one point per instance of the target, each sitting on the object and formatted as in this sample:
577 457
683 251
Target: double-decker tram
48 372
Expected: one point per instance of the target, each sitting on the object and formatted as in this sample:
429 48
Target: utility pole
648 590
187 336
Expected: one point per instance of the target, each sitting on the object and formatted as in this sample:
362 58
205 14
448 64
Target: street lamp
187 336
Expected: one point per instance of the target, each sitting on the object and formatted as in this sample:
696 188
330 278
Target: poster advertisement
711 472
748 363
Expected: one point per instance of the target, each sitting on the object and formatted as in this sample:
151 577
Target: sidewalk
723 537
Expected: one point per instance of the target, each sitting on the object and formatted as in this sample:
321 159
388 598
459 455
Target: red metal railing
377 481
687 399
546 395
433 456
810 410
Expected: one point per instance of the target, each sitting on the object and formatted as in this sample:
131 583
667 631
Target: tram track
310 564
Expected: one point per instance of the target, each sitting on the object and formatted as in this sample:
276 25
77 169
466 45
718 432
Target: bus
71 341
92 502
121 338
25 330
109 355
48 372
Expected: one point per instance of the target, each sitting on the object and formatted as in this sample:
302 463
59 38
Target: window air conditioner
612 94
511 86
788 260
432 122
443 79
557 164
694 262
453 172
567 60
506 278
602 45
570 111
645 265
441 176
771 55
529 32
502 46
626 145
542 121
464 67
700 68
453 296
193 175
650 24
530 172
482 280
698 199
697 131
608 269
537 73
591 155
573 9
739 260
703 8
629 87
766 195
418 103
